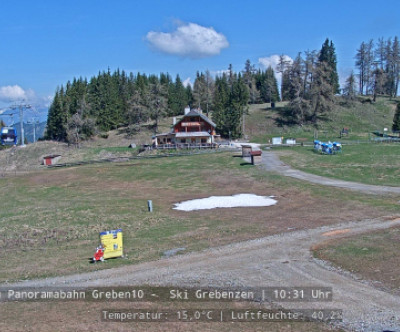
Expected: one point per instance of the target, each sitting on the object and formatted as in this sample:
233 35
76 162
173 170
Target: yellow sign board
112 243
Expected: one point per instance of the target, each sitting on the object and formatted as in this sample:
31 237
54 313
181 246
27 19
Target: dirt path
272 163
279 260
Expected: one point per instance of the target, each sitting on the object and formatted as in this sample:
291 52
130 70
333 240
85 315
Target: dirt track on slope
272 163
279 260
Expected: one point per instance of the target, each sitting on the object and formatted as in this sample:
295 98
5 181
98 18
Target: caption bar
170 294
217 315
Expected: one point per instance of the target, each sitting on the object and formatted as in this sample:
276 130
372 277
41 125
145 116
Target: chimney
187 110
174 121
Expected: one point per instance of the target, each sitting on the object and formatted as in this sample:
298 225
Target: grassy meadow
372 256
370 163
361 118
51 218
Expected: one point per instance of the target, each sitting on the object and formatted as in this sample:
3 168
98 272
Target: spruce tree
158 102
396 120
238 106
189 95
328 55
220 105
322 94
57 117
199 90
177 97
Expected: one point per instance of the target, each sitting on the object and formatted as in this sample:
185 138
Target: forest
310 83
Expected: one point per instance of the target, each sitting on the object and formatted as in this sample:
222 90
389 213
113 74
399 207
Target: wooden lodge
193 130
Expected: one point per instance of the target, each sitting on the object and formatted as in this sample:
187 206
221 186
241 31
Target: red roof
52 156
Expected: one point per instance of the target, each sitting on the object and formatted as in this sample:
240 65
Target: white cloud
189 40
187 82
13 93
46 101
273 61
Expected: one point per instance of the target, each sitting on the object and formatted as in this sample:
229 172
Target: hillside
361 118
106 145
261 124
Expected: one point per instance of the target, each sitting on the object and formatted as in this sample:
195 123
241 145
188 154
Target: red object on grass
98 256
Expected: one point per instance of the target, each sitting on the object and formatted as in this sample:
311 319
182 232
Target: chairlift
8 136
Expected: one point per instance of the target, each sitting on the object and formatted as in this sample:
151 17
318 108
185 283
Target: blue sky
43 44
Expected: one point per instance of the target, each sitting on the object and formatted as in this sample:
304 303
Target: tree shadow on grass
285 117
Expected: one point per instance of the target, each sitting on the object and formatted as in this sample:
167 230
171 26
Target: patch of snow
213 202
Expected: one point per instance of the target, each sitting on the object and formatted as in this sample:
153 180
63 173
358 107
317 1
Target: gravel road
272 163
279 260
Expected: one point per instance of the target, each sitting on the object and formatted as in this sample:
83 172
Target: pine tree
189 95
138 112
379 82
364 62
230 105
396 120
310 89
209 89
282 68
322 93
220 105
238 106
231 75
349 90
393 66
271 86
309 65
199 90
250 81
299 104
396 60
57 117
158 102
177 97
361 64
285 85
328 55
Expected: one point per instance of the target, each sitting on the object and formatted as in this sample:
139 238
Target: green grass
361 119
52 217
373 256
376 164
352 250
